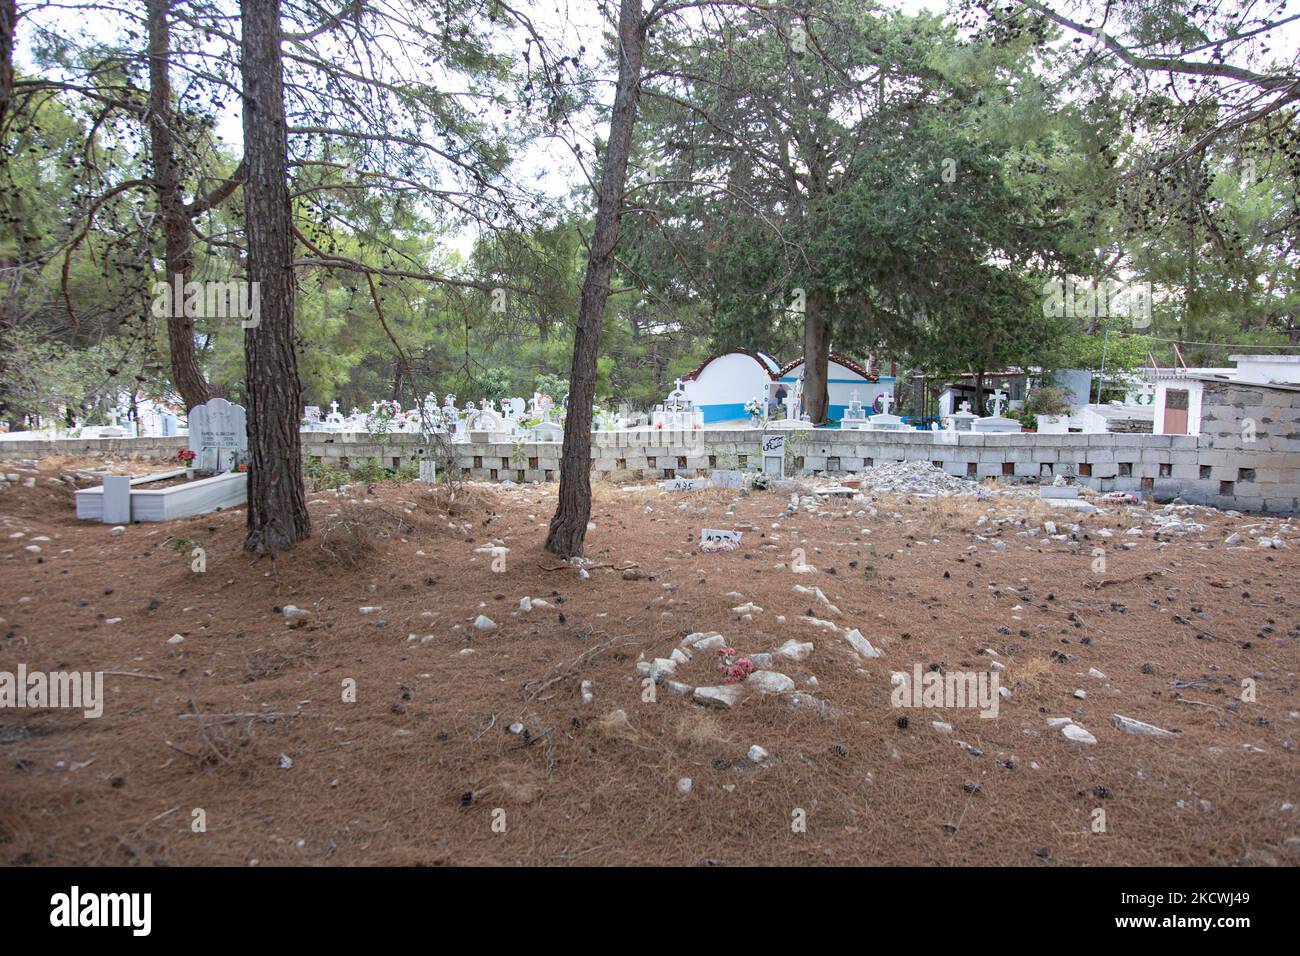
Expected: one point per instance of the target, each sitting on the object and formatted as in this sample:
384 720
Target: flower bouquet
735 668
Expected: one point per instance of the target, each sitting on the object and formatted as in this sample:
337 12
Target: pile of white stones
916 478
765 679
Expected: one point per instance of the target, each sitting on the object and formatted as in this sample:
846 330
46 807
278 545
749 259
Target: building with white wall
844 376
724 383
1180 391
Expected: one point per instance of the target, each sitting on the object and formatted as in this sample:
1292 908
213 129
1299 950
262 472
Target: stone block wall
117 447
1247 455
1228 466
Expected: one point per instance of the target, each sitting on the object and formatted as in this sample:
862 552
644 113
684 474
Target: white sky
548 165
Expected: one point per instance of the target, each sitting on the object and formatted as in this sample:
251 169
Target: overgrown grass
321 476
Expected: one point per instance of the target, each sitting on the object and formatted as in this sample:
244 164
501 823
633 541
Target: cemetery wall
1248 456
158 447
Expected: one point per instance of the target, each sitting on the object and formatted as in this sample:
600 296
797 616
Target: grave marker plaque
715 539
217 427
685 484
728 479
774 456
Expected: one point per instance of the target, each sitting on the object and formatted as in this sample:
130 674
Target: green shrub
369 472
323 477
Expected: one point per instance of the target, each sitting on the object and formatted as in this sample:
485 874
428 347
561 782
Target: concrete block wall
1220 467
116 447
1247 455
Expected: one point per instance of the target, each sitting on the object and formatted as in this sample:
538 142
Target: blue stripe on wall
723 413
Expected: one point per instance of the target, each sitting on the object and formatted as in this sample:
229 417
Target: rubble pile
916 478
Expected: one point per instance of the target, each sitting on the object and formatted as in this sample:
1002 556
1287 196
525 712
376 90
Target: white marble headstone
217 427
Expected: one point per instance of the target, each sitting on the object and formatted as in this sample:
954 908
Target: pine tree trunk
8 30
277 506
187 375
816 358
569 525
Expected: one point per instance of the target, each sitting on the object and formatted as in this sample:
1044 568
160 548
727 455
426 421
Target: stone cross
334 408
999 397
964 407
791 405
886 400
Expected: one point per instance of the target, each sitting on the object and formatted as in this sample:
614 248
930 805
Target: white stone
684 786
860 643
1138 728
1073 731
941 727
710 643
769 682
525 604
662 667
175 639
725 696
757 754
793 650
484 623
819 623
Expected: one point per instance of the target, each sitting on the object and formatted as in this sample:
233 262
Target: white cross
854 395
999 397
334 408
886 400
965 407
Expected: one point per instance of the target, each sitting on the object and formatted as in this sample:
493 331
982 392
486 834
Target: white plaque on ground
713 539
728 479
686 484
